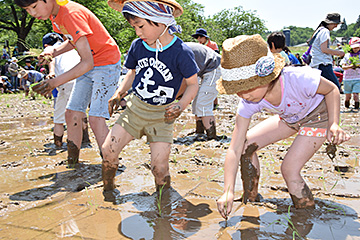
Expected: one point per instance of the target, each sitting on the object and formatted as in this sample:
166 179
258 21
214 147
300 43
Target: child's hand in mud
172 112
224 204
114 101
336 135
44 88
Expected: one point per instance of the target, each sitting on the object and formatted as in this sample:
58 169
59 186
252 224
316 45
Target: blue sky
280 13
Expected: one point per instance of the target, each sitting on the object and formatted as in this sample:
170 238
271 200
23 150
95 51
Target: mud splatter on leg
249 175
111 194
166 183
73 153
306 200
85 135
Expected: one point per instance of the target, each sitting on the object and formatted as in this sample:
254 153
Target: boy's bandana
156 12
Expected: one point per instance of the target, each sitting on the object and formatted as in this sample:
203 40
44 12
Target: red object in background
339 76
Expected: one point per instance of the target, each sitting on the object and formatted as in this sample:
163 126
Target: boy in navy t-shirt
158 62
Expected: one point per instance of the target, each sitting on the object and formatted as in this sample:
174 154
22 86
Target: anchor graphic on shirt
160 94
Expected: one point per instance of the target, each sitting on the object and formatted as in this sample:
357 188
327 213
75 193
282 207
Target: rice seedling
159 199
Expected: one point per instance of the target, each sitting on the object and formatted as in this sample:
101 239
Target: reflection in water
179 218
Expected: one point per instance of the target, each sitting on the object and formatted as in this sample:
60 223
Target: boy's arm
86 64
125 85
174 110
231 165
332 98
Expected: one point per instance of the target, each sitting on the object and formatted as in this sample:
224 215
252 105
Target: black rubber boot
356 105
347 104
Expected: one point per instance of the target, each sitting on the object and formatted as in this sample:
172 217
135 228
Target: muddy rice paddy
42 199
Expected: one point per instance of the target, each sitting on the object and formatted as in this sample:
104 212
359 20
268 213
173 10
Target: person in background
97 74
201 36
28 77
15 51
276 42
13 70
59 65
298 57
5 85
292 58
202 106
28 65
321 52
351 66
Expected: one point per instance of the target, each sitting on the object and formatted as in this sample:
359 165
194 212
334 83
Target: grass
159 200
288 223
90 200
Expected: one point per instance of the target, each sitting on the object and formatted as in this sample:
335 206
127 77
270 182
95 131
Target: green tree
230 23
13 18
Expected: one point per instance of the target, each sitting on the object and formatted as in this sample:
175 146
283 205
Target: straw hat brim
119 4
235 86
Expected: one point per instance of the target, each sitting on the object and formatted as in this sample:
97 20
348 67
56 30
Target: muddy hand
172 112
114 102
42 88
45 58
224 204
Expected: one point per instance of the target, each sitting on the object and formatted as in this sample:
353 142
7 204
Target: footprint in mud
192 138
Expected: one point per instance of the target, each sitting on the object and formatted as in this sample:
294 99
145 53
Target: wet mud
41 198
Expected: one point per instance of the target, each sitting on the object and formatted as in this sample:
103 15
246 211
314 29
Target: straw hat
247 63
119 4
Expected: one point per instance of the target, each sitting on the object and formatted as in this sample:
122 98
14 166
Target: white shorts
203 103
64 92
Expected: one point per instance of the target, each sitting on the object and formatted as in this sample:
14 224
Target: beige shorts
140 118
314 124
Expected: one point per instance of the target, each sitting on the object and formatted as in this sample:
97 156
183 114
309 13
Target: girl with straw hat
305 103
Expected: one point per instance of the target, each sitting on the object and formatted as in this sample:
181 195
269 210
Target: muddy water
42 199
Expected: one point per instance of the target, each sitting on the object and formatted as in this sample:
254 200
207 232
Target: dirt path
42 199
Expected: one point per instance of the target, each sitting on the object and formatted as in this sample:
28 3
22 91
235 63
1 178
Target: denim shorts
351 86
95 87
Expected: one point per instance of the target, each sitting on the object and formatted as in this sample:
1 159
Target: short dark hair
25 3
129 16
278 38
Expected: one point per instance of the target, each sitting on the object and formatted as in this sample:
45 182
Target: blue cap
200 32
51 38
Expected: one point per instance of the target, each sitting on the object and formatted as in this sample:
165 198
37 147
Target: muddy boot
58 141
200 129
85 142
306 200
73 154
347 103
356 105
166 185
211 133
110 193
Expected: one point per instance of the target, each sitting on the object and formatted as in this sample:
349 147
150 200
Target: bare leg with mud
58 134
85 138
160 152
74 130
301 151
210 128
115 141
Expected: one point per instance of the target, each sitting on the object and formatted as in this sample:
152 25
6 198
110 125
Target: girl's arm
174 110
332 98
232 160
125 85
325 49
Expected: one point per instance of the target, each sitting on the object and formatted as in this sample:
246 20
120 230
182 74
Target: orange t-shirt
212 45
74 21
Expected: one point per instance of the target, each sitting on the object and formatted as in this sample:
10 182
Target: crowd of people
165 74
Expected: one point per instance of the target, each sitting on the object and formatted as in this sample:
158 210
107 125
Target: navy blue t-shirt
158 84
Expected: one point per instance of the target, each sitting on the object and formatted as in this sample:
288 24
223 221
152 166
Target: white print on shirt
160 94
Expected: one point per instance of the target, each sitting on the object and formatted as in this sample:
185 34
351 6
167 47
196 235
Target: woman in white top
321 52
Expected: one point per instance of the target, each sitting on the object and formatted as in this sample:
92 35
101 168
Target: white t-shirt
319 57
